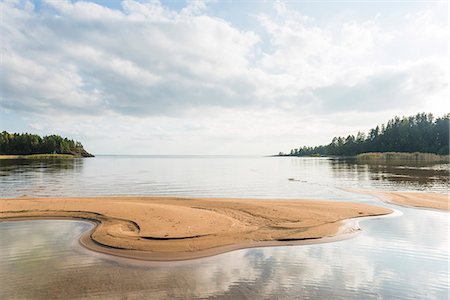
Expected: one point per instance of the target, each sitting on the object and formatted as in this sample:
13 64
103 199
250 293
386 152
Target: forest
28 144
419 133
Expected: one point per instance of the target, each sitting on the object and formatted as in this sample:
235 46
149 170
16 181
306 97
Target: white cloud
143 60
386 88
188 73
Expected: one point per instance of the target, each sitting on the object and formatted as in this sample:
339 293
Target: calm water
402 257
263 177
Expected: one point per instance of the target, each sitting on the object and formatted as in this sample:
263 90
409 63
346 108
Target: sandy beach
169 228
431 200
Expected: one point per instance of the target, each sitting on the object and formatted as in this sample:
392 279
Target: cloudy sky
191 77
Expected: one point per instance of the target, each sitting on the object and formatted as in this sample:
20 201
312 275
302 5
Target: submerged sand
170 228
438 201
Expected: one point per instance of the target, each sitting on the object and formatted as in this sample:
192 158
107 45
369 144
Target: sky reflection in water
400 257
392 258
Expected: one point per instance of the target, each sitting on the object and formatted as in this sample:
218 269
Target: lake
403 256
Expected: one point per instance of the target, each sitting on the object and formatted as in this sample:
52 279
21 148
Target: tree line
419 133
27 144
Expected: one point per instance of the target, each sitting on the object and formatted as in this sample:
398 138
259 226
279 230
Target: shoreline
174 228
348 229
46 156
40 156
382 157
418 200
88 243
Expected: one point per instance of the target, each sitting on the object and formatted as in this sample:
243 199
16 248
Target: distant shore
387 157
42 156
169 228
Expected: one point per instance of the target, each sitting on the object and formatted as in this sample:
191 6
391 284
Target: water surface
404 257
204 176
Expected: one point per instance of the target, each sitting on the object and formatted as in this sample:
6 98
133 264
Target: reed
402 157
38 156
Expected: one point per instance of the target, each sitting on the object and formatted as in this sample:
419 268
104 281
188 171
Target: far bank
387 157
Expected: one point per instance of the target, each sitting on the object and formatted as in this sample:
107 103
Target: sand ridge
431 200
170 228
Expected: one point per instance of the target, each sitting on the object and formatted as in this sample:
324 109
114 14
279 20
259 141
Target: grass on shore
401 157
38 156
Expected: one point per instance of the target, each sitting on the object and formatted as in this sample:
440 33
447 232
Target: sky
218 77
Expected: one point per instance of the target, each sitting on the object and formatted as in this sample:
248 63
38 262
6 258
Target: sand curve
173 228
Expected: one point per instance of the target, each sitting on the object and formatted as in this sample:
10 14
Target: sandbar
177 228
439 201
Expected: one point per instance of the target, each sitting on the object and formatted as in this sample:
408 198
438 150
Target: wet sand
438 201
173 228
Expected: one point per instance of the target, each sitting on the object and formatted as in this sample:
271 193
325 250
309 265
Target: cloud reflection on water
399 257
